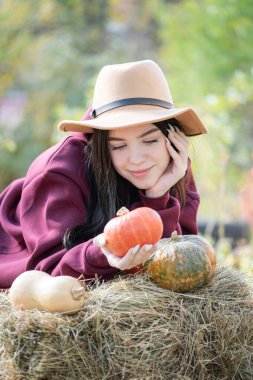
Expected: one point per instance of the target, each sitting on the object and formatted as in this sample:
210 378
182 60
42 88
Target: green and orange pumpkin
182 263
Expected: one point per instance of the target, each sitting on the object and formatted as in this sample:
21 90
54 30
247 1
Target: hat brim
137 115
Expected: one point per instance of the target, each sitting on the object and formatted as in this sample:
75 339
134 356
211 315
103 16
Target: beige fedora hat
130 94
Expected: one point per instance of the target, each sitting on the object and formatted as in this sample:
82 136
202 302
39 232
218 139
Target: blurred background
52 50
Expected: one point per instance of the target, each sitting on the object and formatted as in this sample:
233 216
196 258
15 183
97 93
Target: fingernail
135 249
147 247
168 141
169 132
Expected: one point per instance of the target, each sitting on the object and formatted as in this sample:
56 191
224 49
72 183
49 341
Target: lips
140 173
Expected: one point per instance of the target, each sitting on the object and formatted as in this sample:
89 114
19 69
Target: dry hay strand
132 329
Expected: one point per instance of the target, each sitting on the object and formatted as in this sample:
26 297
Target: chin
143 185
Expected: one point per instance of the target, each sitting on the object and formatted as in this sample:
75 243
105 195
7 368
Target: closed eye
121 147
118 147
150 141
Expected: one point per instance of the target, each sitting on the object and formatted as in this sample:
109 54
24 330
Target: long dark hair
109 191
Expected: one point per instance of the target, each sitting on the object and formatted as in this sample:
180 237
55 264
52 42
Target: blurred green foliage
52 50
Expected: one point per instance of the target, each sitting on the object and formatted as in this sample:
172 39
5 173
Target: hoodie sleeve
51 204
188 215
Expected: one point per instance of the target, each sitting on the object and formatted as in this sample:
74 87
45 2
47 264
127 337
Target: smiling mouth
140 173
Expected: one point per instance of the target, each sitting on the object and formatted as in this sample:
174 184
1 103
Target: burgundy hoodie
35 212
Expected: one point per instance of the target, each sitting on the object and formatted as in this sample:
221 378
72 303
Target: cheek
167 159
163 156
117 160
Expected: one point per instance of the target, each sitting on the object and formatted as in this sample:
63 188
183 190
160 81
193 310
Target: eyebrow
152 130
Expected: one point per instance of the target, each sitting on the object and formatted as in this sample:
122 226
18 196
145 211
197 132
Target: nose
136 156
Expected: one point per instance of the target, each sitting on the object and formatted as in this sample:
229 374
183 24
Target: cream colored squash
38 290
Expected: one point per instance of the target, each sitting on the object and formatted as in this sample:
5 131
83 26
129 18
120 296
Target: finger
176 129
181 150
184 139
137 256
177 133
147 247
181 133
172 151
129 257
143 255
180 142
99 240
180 159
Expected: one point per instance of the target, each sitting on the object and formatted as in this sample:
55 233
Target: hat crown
131 94
141 79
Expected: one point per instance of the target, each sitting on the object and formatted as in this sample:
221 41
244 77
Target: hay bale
132 329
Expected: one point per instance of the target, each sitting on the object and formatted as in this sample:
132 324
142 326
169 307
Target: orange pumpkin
182 263
130 228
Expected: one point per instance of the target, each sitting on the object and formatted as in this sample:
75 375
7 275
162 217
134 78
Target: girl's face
139 154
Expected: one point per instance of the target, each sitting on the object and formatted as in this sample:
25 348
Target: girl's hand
177 166
135 256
